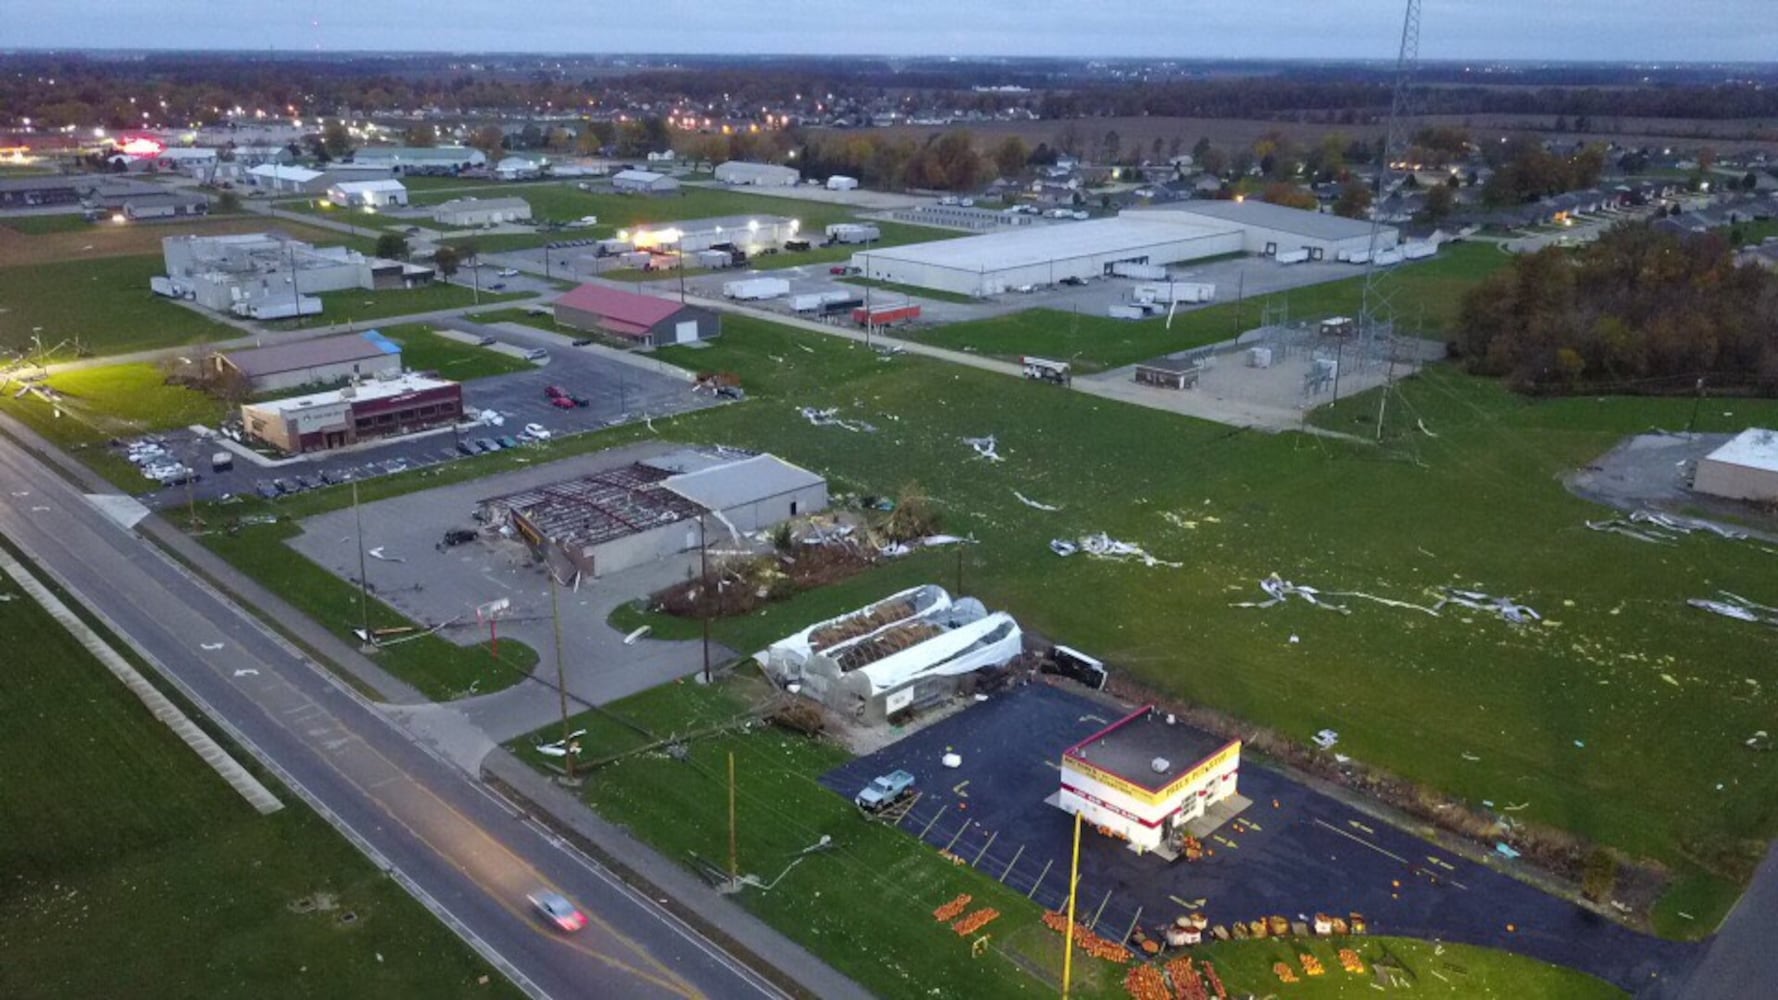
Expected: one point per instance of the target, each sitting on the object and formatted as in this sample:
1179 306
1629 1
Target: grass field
39 225
1556 713
424 350
133 870
515 314
117 401
865 905
1426 297
104 304
355 305
925 293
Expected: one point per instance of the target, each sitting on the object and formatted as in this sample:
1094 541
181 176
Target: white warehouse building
1273 229
757 174
481 211
995 263
368 194
1745 468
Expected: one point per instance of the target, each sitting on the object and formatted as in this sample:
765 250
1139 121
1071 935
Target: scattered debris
1664 529
1758 741
1737 607
630 640
1505 607
1505 851
952 760
1027 501
1423 429
1470 757
986 447
210 647
1278 590
830 418
1516 808
377 553
247 672
1326 738
560 747
1103 546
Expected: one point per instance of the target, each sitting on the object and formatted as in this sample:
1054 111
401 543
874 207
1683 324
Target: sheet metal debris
1663 529
560 747
1027 501
1508 609
1279 590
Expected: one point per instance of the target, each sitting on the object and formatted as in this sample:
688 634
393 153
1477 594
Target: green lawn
36 225
1478 506
375 222
925 293
103 305
422 349
116 401
865 905
1426 296
355 305
132 869
440 669
516 314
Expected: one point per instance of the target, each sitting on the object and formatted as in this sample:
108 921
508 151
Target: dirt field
112 240
1233 133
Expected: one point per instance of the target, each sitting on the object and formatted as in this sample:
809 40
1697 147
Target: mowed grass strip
424 349
104 306
357 305
133 870
1425 295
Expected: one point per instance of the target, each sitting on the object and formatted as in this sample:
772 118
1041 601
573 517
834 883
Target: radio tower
1376 317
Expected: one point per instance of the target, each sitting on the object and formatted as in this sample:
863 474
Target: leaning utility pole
703 598
555 615
363 581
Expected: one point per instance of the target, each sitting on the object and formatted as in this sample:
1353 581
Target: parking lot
615 392
1295 852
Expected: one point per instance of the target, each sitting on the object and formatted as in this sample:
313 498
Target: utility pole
363 581
734 868
681 249
867 280
1698 401
703 582
1383 401
475 275
555 614
1068 934
1339 363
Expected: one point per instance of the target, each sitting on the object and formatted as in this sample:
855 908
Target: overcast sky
1641 30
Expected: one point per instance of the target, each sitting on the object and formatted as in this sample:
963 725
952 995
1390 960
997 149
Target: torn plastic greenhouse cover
1103 546
1279 590
830 418
1737 607
985 447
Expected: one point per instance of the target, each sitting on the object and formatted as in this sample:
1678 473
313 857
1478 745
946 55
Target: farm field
1426 297
103 305
866 903
69 238
117 832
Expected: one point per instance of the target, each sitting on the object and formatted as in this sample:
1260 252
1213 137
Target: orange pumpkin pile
1086 940
1286 974
1311 964
1144 982
1350 960
1187 984
975 921
950 910
1215 981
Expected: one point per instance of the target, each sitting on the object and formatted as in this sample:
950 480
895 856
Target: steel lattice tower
1376 317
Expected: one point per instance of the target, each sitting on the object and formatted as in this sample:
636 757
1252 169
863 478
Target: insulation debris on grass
1737 607
830 418
1027 501
985 447
560 747
1508 609
1103 546
1663 529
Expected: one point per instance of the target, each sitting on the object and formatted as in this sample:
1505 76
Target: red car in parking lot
561 402
554 391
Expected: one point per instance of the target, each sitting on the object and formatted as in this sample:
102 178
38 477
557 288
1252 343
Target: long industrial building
995 263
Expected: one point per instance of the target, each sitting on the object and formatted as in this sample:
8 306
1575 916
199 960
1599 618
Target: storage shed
643 320
741 172
1744 468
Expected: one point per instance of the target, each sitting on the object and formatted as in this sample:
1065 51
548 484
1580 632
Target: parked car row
151 457
562 399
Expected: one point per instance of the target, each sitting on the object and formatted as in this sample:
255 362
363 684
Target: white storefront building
1150 781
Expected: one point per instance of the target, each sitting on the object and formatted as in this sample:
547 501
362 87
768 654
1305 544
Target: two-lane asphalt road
454 846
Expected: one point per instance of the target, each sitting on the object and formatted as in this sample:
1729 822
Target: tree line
1641 310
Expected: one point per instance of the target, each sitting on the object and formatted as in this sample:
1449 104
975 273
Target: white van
536 354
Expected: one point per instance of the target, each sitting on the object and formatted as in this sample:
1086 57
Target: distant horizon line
934 57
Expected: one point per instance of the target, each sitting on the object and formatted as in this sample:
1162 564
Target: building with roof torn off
619 518
905 652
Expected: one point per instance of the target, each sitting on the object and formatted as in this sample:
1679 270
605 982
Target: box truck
754 289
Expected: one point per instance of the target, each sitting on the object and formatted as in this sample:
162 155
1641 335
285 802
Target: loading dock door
685 332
